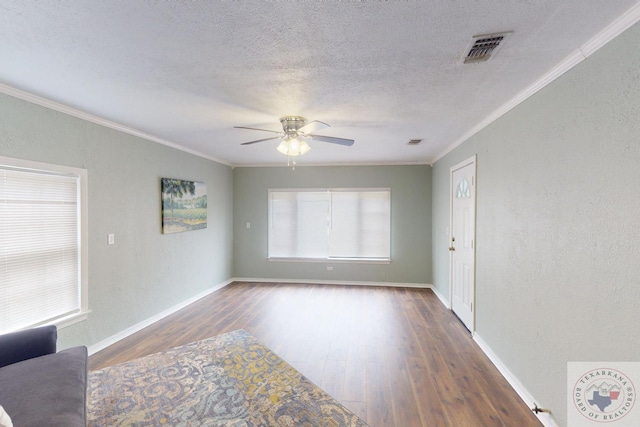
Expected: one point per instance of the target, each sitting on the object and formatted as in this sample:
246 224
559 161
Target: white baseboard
443 300
336 282
153 319
545 418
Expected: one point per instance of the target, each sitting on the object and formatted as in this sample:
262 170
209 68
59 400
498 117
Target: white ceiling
380 72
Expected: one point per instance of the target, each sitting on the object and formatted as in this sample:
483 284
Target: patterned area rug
230 380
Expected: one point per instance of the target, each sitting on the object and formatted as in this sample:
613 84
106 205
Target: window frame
333 260
82 175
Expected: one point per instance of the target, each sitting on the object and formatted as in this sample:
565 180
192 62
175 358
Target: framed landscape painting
184 205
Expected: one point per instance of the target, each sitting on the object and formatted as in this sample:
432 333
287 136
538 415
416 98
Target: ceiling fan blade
260 140
313 126
264 130
333 140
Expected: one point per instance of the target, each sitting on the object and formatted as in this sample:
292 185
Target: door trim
470 160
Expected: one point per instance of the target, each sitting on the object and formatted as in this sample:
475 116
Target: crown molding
612 31
311 165
609 33
65 109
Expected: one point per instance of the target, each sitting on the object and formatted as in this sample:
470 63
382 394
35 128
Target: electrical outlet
329 268
111 239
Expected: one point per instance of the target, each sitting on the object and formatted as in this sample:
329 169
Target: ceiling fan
296 131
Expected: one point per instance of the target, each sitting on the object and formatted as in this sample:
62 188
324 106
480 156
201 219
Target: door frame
467 162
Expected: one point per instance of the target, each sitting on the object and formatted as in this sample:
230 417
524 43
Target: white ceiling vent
483 48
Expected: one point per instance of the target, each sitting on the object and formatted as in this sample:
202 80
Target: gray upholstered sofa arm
22 345
39 387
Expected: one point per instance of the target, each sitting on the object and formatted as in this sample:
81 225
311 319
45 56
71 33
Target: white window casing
330 224
43 244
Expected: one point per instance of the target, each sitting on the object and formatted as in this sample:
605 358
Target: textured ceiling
379 72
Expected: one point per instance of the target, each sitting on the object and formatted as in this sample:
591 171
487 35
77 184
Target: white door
462 244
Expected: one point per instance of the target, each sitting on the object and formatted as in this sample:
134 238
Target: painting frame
184 205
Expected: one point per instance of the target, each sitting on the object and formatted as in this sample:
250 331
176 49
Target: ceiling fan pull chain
289 163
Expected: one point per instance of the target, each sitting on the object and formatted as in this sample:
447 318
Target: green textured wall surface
410 222
145 272
558 270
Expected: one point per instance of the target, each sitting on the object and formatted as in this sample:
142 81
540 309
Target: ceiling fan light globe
293 147
304 147
283 148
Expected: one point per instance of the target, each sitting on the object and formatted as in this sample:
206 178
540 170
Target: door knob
451 248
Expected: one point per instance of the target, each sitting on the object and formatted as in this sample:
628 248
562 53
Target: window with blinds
41 268
348 224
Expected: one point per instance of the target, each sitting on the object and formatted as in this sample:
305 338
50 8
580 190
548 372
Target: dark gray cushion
23 345
48 391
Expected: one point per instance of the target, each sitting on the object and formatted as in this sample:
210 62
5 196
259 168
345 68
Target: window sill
333 260
60 323
71 319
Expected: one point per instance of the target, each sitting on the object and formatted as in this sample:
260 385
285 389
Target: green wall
558 266
557 228
410 222
145 272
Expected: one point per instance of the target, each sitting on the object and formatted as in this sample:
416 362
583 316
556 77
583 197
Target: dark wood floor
394 356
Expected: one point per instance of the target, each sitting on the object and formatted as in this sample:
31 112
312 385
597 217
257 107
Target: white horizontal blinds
298 224
311 216
39 247
282 224
329 224
360 224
